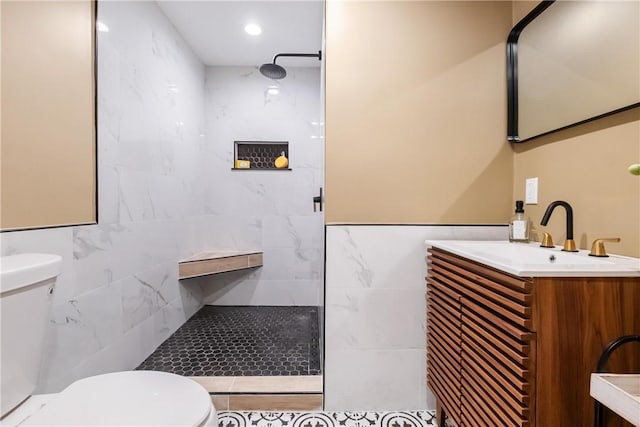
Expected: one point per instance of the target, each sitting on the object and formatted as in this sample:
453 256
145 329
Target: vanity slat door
497 370
476 395
505 295
444 349
471 268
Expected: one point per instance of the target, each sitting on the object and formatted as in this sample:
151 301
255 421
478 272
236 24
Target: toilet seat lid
132 398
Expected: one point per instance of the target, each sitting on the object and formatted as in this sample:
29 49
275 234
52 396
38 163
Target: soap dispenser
519 225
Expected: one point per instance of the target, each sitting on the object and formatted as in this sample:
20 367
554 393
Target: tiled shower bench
213 262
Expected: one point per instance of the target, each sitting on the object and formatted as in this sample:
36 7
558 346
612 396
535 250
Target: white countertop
530 260
620 393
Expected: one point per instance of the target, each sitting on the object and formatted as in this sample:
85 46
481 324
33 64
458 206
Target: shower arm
304 55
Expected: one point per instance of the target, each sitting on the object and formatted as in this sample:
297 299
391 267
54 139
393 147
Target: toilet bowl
130 398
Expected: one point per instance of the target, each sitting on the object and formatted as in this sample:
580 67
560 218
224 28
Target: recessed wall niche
260 155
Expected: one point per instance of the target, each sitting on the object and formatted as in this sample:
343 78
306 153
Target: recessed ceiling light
273 90
253 29
102 27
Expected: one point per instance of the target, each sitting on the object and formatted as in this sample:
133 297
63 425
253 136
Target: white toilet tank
26 285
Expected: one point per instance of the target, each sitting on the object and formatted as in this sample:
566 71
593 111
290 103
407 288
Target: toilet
130 398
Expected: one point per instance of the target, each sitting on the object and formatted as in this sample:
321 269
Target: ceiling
215 30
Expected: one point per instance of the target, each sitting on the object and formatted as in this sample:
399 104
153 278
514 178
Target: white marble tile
130 349
375 310
289 264
308 264
377 257
376 318
114 358
109 195
304 187
233 232
81 327
191 235
148 292
135 345
346 266
307 152
168 196
111 252
279 264
157 241
135 202
164 279
190 299
55 382
101 254
426 395
388 256
49 240
375 379
289 231
109 111
173 315
138 302
469 232
240 291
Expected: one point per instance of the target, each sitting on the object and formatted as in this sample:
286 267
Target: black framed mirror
570 62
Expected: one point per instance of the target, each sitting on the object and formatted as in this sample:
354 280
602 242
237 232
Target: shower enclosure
253 323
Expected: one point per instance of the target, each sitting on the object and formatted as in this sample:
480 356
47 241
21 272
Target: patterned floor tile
327 419
242 341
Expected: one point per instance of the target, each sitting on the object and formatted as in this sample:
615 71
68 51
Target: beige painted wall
416 128
48 134
521 8
587 167
416 112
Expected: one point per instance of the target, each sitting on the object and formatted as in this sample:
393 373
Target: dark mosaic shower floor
242 341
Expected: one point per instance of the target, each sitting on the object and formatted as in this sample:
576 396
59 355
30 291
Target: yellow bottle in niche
243 164
281 161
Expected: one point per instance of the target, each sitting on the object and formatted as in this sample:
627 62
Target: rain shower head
273 71
276 72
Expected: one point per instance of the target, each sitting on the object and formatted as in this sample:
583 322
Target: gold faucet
597 248
546 241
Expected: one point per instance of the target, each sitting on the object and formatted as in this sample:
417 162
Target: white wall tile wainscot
375 330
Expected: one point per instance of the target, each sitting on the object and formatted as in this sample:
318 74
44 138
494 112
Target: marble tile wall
267 210
118 296
375 330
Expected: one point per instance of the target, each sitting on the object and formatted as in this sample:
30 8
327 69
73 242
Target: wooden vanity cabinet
515 351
